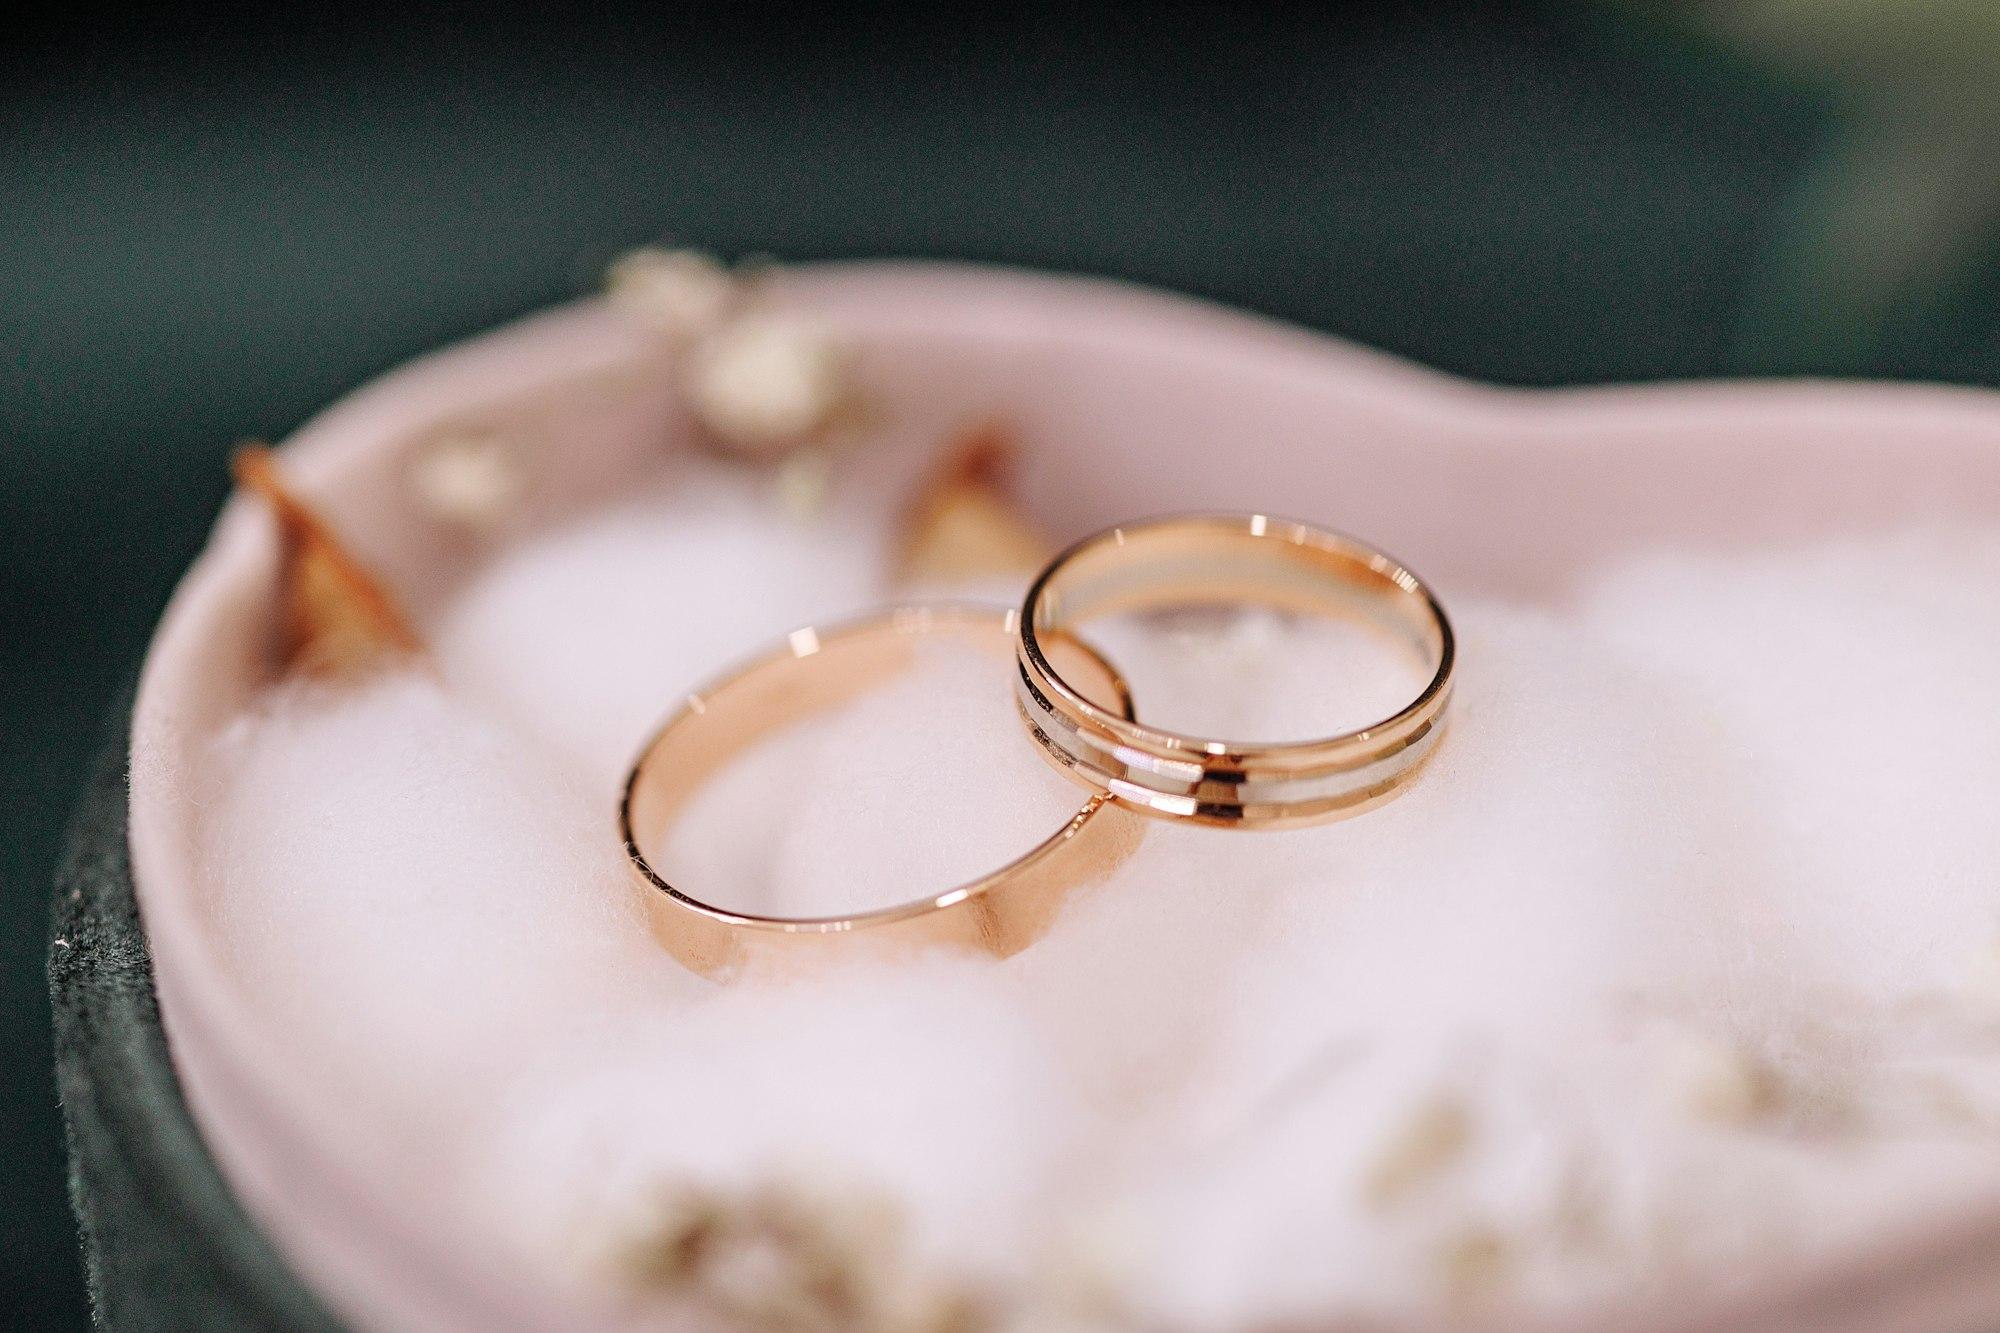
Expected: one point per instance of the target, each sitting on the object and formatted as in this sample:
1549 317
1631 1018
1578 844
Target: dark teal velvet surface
168 1247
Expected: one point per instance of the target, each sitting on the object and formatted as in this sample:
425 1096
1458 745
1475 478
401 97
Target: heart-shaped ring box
1121 398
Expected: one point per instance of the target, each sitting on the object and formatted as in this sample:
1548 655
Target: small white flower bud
682 293
473 480
765 383
1719 1081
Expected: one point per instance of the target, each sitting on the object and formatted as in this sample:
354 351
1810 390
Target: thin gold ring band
813 671
1228 560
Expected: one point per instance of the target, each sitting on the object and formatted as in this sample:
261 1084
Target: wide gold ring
816 670
1228 560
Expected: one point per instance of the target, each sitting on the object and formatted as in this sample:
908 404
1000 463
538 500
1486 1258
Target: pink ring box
1122 398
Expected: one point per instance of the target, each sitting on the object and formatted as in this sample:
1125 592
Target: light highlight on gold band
818 669
1228 560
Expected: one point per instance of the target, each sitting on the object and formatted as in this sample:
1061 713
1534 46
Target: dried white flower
1473 1263
1719 1081
804 479
1430 1142
761 382
792 1255
475 480
765 383
684 294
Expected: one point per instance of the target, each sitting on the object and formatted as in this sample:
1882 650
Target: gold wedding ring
817 670
1224 560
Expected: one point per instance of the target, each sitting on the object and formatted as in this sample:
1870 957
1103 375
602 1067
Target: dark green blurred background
210 227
